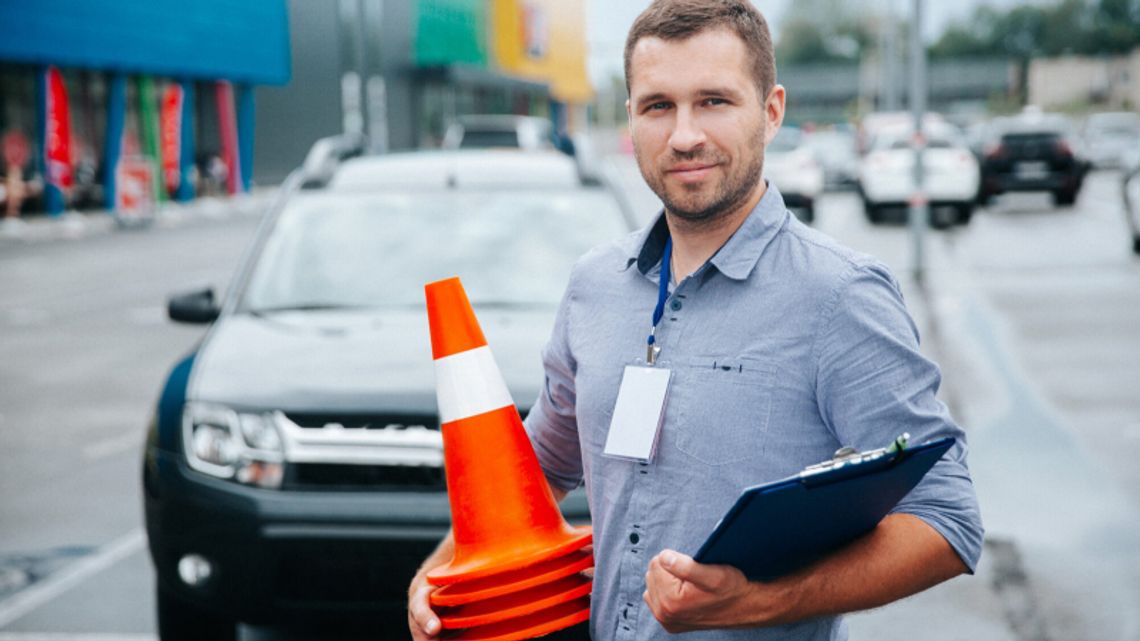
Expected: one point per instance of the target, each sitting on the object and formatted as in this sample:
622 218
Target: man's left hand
685 595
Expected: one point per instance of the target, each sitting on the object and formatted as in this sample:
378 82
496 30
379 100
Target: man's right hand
422 621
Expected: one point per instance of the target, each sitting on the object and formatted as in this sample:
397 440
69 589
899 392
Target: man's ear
774 112
628 114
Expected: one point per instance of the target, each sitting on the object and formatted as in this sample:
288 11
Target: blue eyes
707 102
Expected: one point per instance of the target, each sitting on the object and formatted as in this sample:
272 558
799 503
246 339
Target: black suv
1032 152
293 467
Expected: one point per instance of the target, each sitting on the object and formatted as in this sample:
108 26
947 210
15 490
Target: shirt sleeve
552 423
873 384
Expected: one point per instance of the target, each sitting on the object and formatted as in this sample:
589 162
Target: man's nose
687 133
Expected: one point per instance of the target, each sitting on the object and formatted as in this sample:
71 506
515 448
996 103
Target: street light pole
890 60
919 205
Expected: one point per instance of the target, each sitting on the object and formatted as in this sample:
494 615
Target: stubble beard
729 194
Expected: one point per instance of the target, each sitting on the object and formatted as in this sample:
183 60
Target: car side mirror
196 307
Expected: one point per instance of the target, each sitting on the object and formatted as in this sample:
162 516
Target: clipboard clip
848 456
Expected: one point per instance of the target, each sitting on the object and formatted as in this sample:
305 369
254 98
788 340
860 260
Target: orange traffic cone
515 573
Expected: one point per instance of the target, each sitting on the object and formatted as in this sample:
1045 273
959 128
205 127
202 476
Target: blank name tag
638 414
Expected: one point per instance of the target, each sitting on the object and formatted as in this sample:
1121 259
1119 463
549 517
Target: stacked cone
516 573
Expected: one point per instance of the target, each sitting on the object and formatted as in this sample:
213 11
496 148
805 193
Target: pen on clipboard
849 456
899 443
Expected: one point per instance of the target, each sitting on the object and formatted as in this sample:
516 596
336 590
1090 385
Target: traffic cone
529 626
512 581
516 569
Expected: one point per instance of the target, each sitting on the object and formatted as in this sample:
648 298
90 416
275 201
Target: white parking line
68 577
74 637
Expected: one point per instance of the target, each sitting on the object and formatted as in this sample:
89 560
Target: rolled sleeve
873 384
552 423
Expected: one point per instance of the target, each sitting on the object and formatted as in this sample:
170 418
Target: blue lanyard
659 311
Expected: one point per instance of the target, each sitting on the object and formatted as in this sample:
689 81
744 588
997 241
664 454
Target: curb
75 225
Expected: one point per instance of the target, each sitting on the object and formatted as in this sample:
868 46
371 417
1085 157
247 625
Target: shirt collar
737 257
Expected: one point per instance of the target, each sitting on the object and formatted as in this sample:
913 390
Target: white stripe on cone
468 384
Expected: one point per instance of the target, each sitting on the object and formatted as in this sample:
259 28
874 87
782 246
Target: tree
823 31
1088 27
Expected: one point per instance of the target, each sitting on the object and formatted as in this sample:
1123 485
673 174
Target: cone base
486 565
513 581
513 606
531 626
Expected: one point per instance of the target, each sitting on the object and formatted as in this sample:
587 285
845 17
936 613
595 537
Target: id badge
638 414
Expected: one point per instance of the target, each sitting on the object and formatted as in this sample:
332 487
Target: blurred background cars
1131 192
294 464
1111 135
834 150
792 166
327 154
1032 152
500 131
886 175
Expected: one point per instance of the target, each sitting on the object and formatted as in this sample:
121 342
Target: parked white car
792 166
886 175
488 131
1111 136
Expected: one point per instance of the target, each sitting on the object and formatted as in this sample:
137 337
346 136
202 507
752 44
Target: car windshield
477 139
511 248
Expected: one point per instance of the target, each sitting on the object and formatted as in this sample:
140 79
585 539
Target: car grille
344 452
331 476
364 421
335 452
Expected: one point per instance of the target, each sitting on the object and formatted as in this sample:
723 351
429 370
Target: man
782 347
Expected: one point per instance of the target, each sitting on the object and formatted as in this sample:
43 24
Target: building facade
399 71
122 100
1080 81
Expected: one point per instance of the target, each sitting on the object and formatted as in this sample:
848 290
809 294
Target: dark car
1032 152
293 467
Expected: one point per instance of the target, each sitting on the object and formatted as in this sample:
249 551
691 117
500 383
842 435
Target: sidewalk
74 225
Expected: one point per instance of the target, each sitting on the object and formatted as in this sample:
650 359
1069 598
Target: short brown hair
682 19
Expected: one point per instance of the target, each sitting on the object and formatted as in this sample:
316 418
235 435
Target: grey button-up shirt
784 346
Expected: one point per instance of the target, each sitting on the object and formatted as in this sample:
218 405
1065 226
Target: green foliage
823 31
1084 27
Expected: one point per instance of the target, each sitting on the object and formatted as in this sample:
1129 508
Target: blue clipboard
777 528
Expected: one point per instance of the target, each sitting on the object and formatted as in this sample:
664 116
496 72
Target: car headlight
241 446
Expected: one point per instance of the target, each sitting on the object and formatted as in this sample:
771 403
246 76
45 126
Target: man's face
698 123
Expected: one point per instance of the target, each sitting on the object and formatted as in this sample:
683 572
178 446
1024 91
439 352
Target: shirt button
675 305
634 538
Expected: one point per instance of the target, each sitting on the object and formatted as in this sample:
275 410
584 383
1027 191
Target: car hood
353 361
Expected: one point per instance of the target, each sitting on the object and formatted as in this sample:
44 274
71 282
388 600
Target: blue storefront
110 93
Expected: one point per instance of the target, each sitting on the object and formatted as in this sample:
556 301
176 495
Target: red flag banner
171 135
227 123
57 138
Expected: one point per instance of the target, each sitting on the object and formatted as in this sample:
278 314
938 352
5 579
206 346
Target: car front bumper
290 555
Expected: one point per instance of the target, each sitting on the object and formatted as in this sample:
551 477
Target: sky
608 22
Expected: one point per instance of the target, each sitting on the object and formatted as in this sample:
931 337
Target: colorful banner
227 123
134 193
151 130
450 31
172 135
57 133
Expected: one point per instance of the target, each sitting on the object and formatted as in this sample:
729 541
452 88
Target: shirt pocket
726 404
